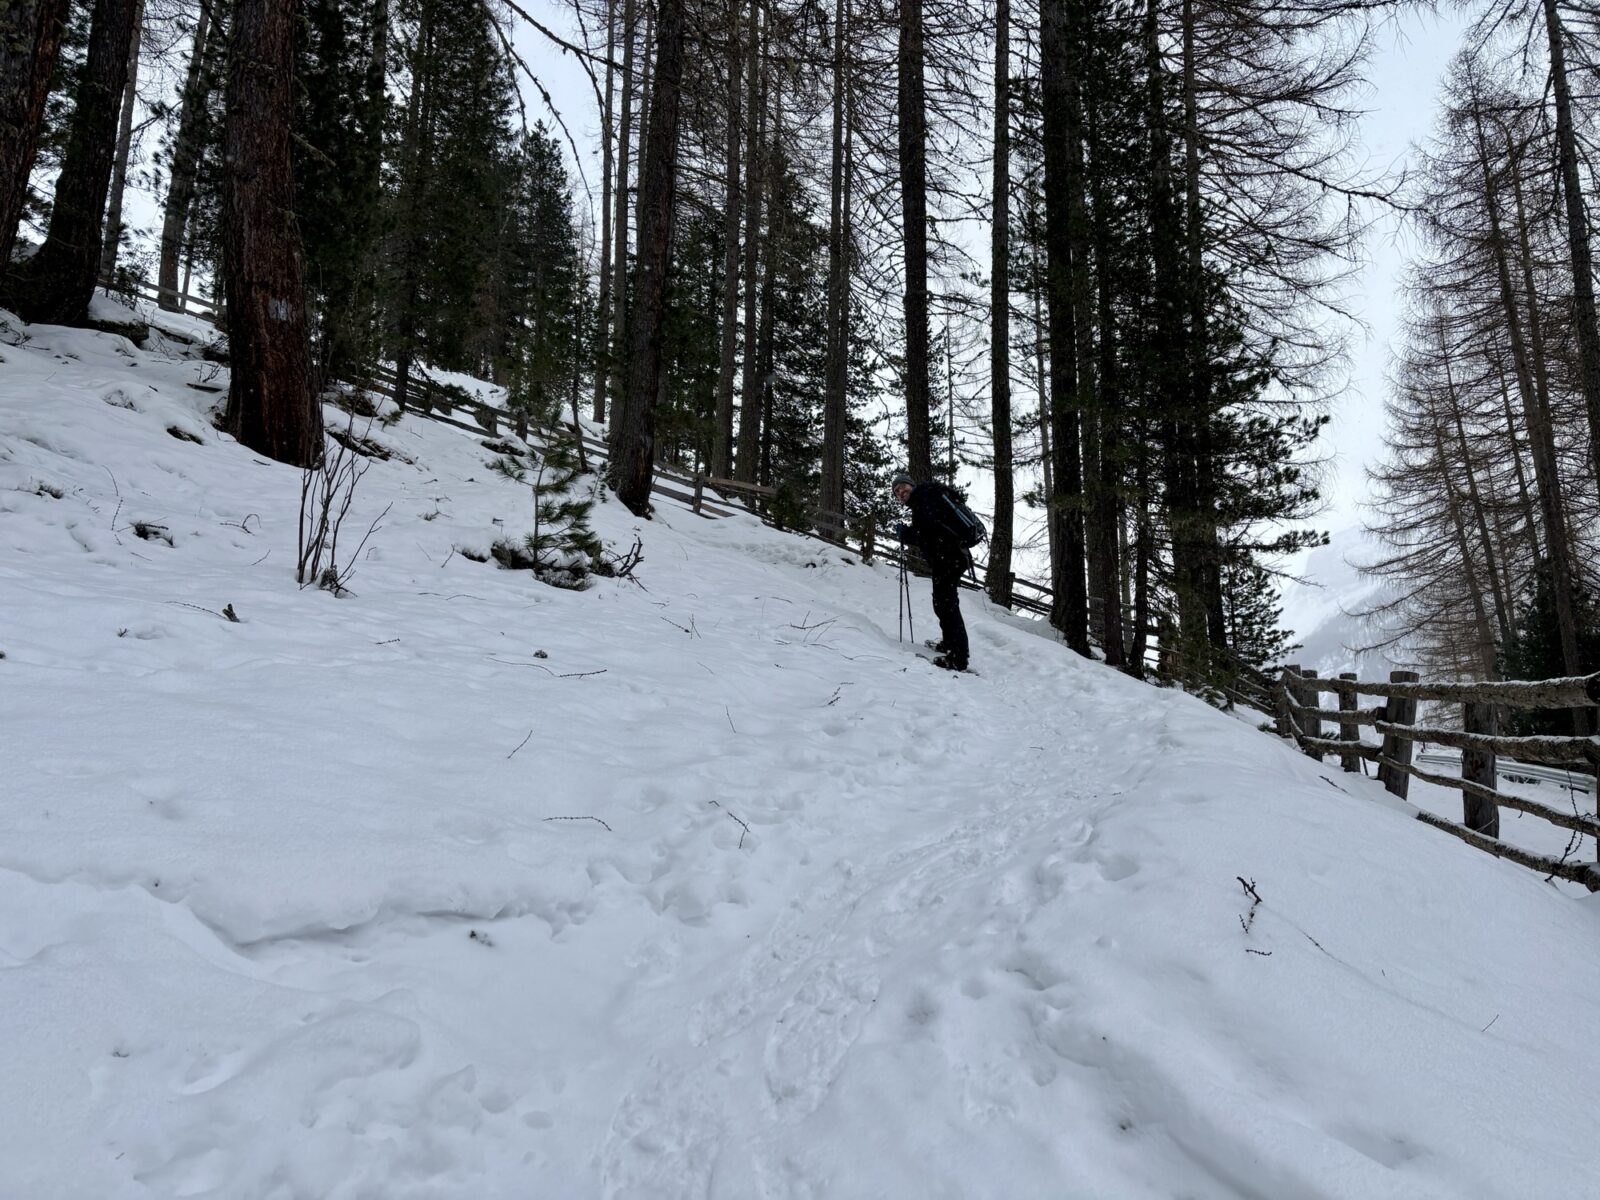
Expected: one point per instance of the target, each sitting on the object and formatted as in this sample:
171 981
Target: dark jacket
928 532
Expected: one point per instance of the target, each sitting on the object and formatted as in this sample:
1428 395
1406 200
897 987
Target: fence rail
1300 718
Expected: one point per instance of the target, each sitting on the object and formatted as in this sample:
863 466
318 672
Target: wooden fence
1301 717
452 406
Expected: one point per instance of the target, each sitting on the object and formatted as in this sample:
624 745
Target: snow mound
463 886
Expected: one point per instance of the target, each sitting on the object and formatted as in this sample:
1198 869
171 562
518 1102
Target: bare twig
118 511
596 820
198 608
1249 919
521 744
509 663
582 674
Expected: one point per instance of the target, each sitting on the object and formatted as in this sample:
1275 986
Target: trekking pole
905 587
902 597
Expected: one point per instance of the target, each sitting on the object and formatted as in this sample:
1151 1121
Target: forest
1089 260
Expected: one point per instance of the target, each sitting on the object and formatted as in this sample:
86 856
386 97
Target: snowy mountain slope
297 907
1321 606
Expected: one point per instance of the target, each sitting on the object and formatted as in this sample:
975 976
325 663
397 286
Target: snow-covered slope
764 906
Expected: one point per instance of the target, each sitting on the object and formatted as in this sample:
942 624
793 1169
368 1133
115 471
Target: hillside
465 886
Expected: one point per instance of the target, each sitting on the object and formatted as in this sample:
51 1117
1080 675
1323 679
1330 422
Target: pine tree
56 284
561 549
31 33
341 107
1534 650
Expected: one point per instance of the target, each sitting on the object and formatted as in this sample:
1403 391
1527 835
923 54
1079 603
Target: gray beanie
902 478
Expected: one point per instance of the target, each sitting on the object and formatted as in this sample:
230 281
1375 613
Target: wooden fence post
1310 697
1398 711
1348 731
1480 814
699 491
1286 722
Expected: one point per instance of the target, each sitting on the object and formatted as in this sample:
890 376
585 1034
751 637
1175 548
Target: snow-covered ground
729 895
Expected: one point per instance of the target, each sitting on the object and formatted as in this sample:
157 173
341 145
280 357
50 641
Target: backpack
960 523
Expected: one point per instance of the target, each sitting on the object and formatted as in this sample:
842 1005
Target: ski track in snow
296 907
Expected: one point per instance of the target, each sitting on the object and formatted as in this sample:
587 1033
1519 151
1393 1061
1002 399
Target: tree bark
30 41
633 442
912 111
998 580
112 241
57 283
185 166
722 431
271 405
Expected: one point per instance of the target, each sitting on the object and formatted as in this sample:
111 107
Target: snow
360 898
1323 604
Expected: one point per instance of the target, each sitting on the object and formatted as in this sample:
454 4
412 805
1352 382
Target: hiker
947 560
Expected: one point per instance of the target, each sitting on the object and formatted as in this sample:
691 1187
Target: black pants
947 606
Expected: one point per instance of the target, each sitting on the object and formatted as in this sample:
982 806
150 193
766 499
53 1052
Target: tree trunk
1502 609
998 580
647 62
416 167
1143 559
722 431
602 329
1041 379
1207 548
186 151
30 40
835 405
1173 395
1105 517
633 442
1483 635
271 405
1530 522
56 284
620 339
912 128
744 464
1536 416
1577 234
1058 58
769 281
112 242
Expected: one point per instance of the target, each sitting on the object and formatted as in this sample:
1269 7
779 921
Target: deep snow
770 907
